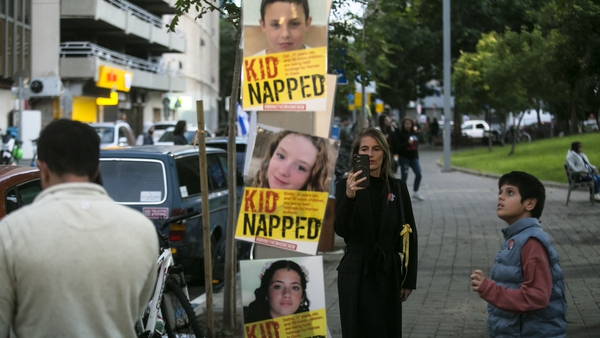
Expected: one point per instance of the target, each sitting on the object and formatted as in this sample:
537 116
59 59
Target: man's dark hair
303 3
529 187
575 146
69 147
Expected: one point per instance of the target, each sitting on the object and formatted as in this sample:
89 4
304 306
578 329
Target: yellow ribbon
405 234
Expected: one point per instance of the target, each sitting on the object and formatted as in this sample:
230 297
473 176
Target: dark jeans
414 164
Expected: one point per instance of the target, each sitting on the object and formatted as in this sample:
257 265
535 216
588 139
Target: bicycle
170 298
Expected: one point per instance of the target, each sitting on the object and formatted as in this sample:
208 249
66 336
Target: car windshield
106 134
134 181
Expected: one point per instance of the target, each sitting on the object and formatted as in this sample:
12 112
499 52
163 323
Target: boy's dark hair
70 147
529 187
303 3
575 146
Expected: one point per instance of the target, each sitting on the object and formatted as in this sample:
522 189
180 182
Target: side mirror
123 141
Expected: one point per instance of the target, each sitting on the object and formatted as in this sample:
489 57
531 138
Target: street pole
19 122
363 112
447 93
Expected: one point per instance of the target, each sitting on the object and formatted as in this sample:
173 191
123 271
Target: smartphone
361 162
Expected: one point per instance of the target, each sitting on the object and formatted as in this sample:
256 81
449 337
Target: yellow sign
358 99
378 106
286 81
300 325
109 77
287 219
113 100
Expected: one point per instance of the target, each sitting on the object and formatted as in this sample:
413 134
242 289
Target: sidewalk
458 233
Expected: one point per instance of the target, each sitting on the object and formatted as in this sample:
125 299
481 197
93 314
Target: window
215 172
22 195
188 171
134 181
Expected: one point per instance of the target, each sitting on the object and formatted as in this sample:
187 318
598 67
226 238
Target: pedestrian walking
408 154
74 263
146 138
379 268
526 292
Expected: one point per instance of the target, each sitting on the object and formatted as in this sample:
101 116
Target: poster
287 188
284 297
285 55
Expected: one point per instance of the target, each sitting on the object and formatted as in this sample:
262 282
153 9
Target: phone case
361 162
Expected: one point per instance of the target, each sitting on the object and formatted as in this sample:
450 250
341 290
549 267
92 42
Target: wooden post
210 323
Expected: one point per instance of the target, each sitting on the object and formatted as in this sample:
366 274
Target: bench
574 184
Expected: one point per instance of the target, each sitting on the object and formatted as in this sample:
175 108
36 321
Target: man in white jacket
577 161
74 263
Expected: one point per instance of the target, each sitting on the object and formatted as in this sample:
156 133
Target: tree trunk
574 123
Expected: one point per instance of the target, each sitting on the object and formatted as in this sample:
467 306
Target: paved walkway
459 232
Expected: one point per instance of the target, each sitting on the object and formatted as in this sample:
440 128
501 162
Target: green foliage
543 158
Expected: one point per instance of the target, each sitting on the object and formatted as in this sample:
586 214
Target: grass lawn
542 158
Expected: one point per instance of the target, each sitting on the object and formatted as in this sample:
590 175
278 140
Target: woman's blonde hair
386 165
317 180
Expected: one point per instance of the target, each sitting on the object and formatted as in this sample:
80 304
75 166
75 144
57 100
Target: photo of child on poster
288 184
285 54
284 297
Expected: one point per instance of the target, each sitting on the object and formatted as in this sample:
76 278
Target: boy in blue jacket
526 291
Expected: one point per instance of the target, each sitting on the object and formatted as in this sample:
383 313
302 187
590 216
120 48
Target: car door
478 130
21 195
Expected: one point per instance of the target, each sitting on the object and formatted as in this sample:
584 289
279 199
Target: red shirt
534 293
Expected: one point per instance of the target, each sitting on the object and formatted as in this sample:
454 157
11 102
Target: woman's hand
352 184
404 293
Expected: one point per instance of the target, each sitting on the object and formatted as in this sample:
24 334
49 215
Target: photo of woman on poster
295 161
282 292
284 25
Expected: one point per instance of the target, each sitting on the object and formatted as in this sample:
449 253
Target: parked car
164 181
167 136
19 185
161 127
114 134
475 128
241 143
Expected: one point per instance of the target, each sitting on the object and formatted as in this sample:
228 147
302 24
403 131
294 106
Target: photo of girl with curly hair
282 292
294 161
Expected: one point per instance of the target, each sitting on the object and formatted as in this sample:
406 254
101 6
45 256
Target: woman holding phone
379 268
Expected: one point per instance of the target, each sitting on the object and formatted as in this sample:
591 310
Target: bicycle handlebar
174 219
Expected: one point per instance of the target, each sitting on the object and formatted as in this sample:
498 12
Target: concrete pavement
459 232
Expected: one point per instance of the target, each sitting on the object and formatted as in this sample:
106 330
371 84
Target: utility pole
447 87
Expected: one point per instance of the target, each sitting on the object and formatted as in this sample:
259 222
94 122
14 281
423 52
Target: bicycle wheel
177 312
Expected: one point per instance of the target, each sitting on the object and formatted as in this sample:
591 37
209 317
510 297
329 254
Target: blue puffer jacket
507 271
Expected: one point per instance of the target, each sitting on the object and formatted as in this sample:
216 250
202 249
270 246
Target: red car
19 185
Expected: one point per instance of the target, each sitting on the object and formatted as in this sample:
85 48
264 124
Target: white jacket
75 264
575 161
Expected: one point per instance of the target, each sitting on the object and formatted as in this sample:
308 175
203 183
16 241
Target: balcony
118 25
81 60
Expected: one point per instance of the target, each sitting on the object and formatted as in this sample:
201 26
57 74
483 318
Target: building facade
102 60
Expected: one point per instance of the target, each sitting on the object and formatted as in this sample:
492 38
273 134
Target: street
458 233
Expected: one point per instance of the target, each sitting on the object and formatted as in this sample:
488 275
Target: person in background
385 125
434 130
346 139
60 274
379 268
178 133
282 292
578 161
146 137
526 289
408 152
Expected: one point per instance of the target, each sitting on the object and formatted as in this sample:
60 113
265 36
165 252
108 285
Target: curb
497 176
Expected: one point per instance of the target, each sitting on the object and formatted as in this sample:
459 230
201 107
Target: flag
243 122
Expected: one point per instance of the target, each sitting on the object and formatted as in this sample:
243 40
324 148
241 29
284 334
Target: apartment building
95 60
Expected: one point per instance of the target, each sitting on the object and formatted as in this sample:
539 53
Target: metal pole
363 112
447 93
20 122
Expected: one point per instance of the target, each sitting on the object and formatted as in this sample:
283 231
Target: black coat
369 275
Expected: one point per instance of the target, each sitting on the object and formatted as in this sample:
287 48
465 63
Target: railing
141 14
88 49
